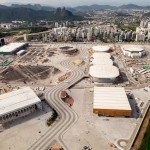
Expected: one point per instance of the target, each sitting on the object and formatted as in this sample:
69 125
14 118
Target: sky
72 3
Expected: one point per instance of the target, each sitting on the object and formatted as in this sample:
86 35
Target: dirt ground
142 131
27 73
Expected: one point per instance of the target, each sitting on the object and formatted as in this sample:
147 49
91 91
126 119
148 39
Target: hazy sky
72 3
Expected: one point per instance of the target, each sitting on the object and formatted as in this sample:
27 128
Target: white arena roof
11 47
17 99
110 98
101 55
102 61
132 48
104 71
101 48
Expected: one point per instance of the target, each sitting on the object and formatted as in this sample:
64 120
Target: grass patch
146 140
20 39
52 118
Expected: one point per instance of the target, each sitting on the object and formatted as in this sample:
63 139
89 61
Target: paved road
67 116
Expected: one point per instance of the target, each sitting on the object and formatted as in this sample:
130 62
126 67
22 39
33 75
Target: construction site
104 111
27 73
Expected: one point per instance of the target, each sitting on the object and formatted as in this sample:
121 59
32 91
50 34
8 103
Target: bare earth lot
27 73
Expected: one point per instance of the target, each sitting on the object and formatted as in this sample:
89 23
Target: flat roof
110 98
132 48
17 99
104 71
101 55
101 48
11 47
102 61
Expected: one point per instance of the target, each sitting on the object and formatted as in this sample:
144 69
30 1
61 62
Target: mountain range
8 14
38 12
81 8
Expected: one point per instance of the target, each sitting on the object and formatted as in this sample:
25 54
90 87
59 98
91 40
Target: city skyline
74 3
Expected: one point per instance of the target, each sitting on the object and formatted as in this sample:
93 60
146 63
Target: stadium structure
133 51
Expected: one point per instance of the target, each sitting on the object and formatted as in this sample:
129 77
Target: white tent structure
101 55
104 73
101 48
102 61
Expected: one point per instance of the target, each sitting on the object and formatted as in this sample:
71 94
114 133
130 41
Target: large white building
101 65
97 55
102 61
134 51
111 101
104 73
101 48
12 48
18 103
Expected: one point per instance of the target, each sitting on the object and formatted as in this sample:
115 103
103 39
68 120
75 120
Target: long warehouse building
12 48
111 101
17 104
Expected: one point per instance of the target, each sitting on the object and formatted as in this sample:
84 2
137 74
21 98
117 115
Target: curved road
67 116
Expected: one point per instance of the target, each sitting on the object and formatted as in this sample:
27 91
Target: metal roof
11 47
104 71
110 98
17 99
132 48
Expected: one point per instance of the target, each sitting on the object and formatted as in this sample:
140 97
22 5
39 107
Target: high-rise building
56 25
140 37
142 32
